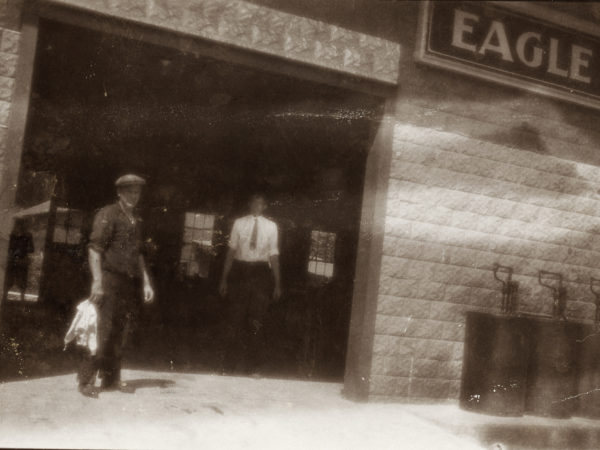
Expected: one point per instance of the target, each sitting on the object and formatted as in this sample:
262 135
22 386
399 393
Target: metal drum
552 374
589 362
495 364
588 388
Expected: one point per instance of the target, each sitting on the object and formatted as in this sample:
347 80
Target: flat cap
130 180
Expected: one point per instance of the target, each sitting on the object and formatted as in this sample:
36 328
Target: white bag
84 328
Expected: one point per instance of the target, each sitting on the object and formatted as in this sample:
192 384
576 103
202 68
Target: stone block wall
271 31
9 50
457 205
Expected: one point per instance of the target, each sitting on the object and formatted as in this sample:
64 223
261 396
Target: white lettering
536 58
498 32
530 47
553 61
577 62
461 27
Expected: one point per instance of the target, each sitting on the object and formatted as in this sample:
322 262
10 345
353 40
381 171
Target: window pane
197 248
74 236
187 252
321 255
206 237
197 236
320 267
328 269
199 221
60 234
189 220
209 221
187 235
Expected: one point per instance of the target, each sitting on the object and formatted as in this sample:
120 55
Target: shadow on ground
147 383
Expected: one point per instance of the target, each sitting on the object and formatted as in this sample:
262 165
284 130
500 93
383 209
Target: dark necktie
254 236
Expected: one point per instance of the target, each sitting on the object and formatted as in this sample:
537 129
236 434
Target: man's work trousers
250 288
119 303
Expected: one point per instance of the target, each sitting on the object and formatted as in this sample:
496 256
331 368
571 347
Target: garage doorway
205 132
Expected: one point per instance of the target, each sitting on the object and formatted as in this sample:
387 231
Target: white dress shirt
266 239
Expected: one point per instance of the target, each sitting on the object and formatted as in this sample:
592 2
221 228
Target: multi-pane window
322 251
68 226
197 249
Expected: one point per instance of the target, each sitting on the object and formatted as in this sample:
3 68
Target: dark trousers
118 305
250 289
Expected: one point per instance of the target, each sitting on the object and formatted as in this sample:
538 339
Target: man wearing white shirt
251 277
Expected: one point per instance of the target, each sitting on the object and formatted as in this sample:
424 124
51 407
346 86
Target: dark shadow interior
205 133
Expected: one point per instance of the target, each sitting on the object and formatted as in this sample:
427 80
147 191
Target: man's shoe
126 388
88 390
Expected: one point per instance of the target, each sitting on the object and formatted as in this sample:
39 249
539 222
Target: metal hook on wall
509 288
559 292
595 288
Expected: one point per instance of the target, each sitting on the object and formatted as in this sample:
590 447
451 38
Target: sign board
514 45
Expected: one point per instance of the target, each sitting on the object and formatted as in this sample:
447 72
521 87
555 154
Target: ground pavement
174 410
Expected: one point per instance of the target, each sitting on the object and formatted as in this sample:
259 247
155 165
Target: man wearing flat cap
118 271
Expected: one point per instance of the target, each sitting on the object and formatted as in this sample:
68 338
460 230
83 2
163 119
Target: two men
118 270
251 266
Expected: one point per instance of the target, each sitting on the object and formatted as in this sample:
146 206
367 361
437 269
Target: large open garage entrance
206 133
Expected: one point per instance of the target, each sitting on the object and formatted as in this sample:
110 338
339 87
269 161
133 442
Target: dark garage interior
205 133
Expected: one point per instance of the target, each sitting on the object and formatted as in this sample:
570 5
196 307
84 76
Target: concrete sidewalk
174 410
527 432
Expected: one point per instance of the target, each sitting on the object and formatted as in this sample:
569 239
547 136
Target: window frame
324 274
68 227
187 258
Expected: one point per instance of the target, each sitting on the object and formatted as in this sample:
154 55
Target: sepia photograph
299 224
